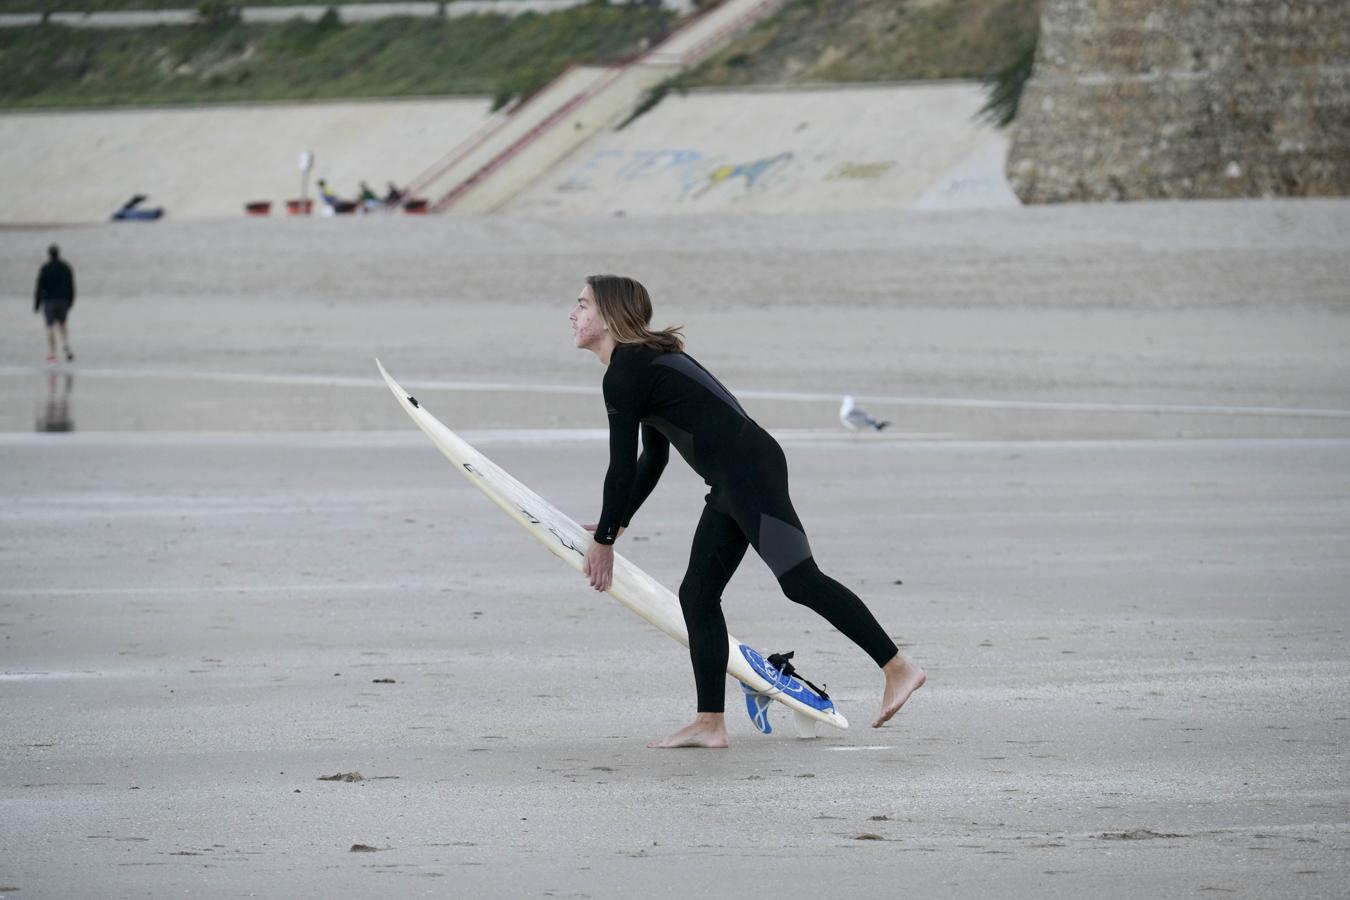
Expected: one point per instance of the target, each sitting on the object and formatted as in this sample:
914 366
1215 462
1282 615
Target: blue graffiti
693 172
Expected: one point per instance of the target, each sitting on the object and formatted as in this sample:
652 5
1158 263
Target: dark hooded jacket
56 283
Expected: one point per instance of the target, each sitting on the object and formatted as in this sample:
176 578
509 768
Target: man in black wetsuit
654 389
54 296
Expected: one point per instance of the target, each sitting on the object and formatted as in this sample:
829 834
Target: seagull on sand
856 419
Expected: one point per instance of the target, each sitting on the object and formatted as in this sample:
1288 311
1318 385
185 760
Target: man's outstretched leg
812 588
903 678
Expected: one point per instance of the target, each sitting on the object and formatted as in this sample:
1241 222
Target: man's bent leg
812 588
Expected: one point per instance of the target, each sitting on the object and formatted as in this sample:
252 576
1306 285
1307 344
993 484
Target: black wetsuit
671 399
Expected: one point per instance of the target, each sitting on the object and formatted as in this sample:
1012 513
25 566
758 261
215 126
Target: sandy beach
1109 519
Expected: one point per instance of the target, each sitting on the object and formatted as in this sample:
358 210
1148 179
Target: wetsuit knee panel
781 543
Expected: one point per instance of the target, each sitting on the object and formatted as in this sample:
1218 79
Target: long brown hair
627 308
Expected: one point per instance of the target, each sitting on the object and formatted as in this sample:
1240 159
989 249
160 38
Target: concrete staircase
513 150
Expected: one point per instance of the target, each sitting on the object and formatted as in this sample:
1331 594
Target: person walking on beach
54 296
655 389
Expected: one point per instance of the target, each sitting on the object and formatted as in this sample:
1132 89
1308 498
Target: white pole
306 164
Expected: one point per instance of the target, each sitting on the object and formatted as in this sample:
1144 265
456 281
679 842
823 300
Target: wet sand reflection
54 410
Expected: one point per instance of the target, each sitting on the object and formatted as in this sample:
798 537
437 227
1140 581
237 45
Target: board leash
780 661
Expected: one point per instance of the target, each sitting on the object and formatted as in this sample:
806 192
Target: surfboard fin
804 724
757 705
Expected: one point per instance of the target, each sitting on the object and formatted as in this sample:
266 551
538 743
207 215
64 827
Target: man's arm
624 409
650 465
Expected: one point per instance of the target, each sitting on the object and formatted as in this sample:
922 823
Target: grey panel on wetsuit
690 369
781 545
682 440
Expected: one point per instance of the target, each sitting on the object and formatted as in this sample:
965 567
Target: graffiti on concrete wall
691 173
859 170
753 172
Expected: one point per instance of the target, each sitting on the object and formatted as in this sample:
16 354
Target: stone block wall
1144 99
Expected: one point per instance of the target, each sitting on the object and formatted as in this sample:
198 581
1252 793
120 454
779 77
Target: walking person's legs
55 312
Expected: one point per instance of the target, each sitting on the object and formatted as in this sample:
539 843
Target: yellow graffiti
751 172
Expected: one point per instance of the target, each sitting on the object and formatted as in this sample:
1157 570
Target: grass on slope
55 66
82 6
876 40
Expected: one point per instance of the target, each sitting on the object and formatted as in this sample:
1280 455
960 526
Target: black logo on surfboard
566 542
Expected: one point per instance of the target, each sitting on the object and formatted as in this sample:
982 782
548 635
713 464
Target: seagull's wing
859 419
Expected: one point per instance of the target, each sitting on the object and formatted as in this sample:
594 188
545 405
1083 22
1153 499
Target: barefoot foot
903 678
709 730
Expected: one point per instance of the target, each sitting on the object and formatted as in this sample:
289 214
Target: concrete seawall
207 162
800 150
884 147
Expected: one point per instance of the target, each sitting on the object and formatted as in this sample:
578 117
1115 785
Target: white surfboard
634 588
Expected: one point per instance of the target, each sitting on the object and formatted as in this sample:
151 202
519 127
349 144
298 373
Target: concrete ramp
494 166
477 150
509 167
798 150
207 162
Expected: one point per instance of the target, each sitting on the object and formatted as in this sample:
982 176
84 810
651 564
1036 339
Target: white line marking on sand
218 589
750 393
859 749
364 440
39 676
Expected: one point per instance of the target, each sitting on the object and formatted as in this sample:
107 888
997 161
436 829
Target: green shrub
1004 87
230 61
